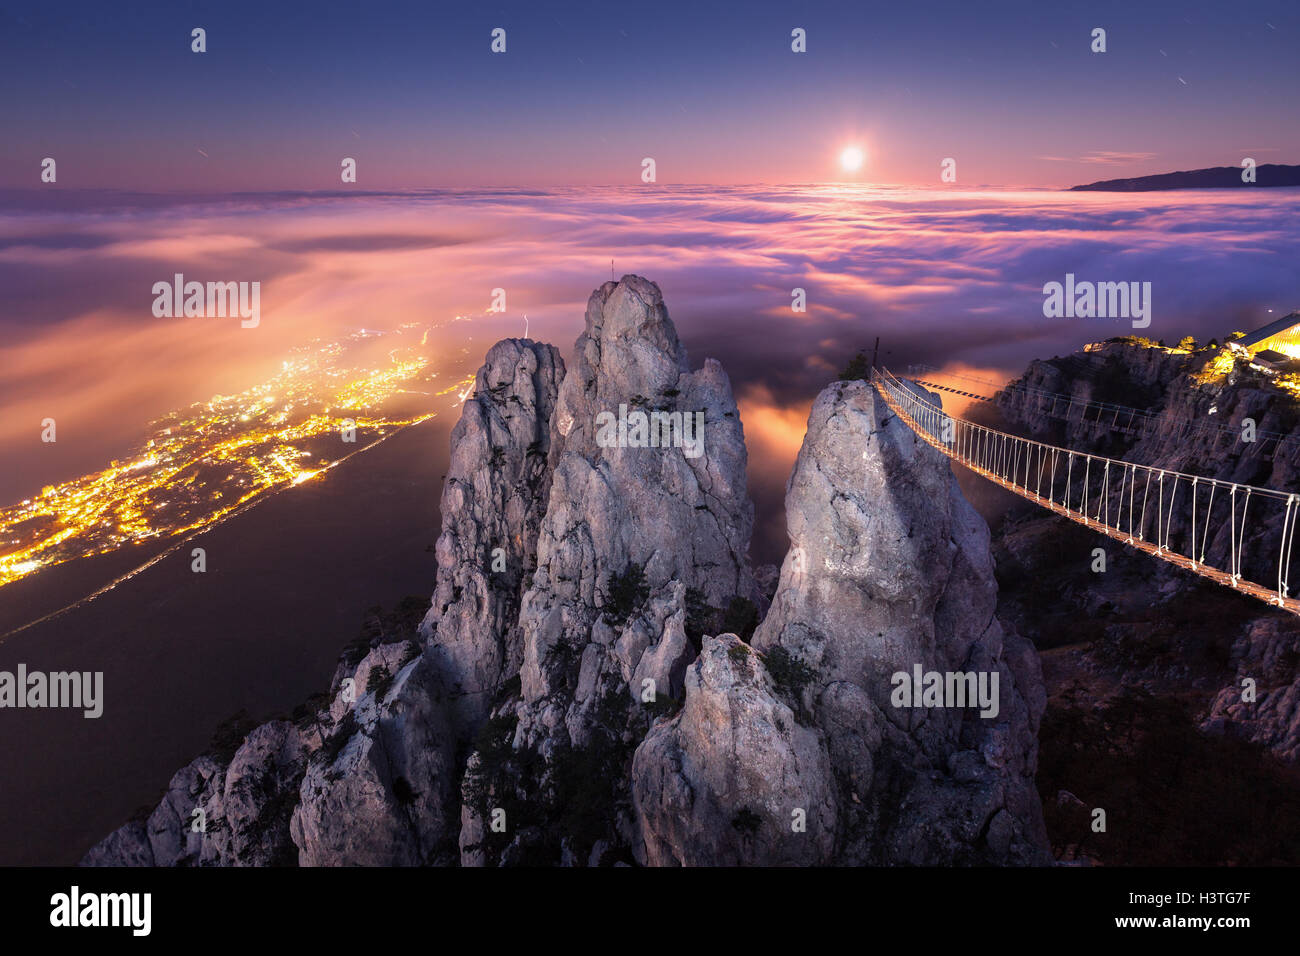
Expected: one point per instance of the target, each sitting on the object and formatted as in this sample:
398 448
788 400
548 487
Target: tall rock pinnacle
562 701
888 568
497 487
684 521
631 536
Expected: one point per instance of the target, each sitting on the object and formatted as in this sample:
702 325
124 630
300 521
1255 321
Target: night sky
585 91
523 170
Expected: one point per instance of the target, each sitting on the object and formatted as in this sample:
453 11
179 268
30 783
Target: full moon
851 159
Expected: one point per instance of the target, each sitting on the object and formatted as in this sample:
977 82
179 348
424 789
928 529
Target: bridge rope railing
1108 415
1197 523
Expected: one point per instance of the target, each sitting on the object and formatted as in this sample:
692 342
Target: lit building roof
1286 332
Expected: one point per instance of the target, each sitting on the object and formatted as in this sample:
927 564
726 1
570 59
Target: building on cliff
1281 337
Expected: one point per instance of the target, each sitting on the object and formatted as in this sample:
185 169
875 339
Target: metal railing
1138 422
1194 522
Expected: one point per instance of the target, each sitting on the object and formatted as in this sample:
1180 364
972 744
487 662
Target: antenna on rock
611 271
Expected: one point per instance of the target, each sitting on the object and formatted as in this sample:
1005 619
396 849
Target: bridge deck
1268 595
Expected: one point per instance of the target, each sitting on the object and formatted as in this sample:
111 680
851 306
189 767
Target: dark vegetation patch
1173 795
333 745
573 799
403 792
276 806
663 706
746 821
379 681
739 617
858 369
385 627
628 593
510 687
699 614
790 674
308 712
739 653
1114 384
230 735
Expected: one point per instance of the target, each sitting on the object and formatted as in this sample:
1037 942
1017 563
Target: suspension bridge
1200 524
1135 422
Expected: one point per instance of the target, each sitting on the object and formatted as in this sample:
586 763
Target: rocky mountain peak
888 569
567 698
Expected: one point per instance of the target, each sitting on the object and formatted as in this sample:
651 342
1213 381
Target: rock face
214 813
380 790
497 488
1265 655
371 776
716 786
384 788
631 534
683 521
888 568
1160 627
564 701
1197 418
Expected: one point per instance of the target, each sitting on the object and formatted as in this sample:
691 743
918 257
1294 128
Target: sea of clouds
944 277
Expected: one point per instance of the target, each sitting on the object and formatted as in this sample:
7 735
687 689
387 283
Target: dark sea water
287 585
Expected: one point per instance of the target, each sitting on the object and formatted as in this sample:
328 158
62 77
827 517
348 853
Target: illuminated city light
203 463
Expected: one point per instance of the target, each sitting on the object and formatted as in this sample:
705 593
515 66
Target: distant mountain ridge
1216 177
